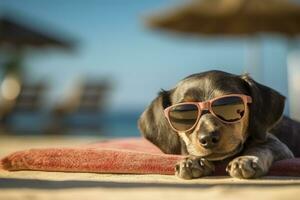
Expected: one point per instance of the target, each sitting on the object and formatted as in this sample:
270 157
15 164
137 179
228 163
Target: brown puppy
246 143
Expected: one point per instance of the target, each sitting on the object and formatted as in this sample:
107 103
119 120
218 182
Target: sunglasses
227 108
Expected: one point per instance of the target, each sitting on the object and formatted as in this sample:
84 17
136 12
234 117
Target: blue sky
114 43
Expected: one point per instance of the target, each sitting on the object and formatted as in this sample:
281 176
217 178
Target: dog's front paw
193 167
246 167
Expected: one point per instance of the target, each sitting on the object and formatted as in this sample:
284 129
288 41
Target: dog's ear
154 126
266 108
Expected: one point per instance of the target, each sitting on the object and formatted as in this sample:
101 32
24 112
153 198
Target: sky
113 42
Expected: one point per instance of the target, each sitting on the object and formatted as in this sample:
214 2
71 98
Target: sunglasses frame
206 105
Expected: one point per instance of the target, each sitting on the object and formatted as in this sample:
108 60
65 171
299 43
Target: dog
216 116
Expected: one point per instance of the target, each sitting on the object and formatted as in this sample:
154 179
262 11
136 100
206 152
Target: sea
104 124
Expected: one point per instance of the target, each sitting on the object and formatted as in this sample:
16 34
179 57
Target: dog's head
262 114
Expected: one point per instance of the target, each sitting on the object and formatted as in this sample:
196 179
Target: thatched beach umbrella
17 34
234 18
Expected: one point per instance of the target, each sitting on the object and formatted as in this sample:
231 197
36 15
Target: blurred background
89 68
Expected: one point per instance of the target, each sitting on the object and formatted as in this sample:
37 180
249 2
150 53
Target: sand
59 185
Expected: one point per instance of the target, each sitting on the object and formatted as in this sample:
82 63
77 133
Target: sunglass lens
183 117
229 109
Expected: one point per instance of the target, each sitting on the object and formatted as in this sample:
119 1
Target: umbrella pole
253 59
14 63
293 79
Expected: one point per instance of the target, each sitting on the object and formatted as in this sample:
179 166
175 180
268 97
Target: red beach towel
127 156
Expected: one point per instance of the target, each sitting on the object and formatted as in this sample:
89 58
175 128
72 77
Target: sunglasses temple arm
166 112
248 99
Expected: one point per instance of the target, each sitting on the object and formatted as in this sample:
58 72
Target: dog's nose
209 139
